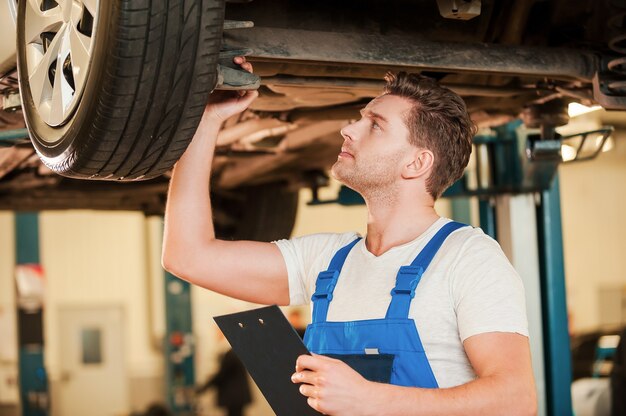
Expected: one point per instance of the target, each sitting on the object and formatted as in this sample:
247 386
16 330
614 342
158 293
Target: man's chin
336 172
341 176
333 171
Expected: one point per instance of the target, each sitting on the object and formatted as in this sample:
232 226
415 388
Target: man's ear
420 165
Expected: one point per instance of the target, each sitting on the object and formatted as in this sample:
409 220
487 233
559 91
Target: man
454 319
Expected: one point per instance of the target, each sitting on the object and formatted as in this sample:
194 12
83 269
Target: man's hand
224 104
331 386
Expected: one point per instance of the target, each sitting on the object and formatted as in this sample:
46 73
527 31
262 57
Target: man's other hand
331 386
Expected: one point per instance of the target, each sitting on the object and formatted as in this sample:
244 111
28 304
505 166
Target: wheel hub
58 43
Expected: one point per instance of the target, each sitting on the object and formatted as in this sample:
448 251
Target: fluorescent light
572 150
567 152
608 144
577 109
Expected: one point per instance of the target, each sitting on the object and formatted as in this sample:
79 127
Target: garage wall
593 201
330 217
100 259
9 393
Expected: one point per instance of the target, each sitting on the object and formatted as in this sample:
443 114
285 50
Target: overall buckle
326 282
407 280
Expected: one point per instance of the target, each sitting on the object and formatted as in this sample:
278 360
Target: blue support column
32 374
487 217
558 367
179 346
27 238
461 210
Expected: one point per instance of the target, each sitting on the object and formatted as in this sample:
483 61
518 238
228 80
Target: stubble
376 179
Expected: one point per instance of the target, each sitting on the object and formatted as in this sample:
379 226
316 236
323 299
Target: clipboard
268 347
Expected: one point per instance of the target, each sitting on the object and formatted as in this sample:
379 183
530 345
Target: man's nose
348 132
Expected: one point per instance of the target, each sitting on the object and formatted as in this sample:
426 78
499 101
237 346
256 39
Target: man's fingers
248 96
309 362
309 391
241 61
314 362
308 377
314 403
313 397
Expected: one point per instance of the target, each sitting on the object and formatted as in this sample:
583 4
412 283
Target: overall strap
326 281
409 276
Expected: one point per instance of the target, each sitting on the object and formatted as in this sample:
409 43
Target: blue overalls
385 350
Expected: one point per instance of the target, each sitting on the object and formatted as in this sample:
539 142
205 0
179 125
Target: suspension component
229 75
609 83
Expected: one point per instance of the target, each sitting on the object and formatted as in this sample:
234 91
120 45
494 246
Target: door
93 377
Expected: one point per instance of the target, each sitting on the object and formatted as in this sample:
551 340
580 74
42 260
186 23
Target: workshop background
102 269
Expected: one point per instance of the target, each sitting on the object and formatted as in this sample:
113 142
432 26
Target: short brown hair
438 122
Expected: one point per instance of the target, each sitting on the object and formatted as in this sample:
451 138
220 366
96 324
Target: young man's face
376 147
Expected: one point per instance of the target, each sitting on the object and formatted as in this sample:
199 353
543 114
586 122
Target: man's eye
375 125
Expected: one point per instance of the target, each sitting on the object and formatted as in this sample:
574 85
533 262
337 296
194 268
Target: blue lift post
487 218
179 346
461 210
513 173
558 366
32 374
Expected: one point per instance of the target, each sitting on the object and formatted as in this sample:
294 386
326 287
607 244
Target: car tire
151 68
259 213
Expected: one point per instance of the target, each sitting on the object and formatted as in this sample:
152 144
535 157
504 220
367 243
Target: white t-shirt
469 288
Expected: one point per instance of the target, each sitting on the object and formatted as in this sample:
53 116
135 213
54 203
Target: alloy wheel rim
59 41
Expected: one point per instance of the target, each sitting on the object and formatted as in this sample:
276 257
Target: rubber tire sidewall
68 139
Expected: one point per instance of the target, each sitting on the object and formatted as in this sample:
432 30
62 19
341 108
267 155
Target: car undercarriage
320 62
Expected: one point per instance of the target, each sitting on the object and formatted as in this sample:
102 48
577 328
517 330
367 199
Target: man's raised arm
246 270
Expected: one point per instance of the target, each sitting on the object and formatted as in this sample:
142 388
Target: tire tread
162 65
